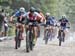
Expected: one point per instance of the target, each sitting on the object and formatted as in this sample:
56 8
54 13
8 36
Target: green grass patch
11 31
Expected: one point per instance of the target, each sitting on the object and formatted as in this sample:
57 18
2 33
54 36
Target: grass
11 31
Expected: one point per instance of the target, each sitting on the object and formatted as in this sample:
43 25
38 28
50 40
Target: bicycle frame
29 38
61 36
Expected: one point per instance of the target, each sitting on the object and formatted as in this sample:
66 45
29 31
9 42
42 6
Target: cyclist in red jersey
32 17
38 19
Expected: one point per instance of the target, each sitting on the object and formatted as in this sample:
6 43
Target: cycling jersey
49 21
18 14
63 22
32 17
38 19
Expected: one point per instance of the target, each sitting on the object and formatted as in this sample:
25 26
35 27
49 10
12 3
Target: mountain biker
63 23
38 19
20 19
32 17
50 22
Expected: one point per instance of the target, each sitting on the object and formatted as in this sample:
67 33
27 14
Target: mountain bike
29 37
61 35
18 37
48 34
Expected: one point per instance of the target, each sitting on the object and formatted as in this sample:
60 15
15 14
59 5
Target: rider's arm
42 16
26 15
39 16
68 23
11 18
14 15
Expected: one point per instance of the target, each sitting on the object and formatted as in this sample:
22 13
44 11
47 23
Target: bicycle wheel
17 39
63 39
46 37
50 36
19 43
27 42
31 40
60 40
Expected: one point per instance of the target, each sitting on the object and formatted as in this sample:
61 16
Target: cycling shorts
34 22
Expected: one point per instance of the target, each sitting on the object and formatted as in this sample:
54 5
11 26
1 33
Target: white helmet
22 9
63 16
47 14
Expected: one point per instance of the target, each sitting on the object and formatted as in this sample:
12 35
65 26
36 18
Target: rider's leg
53 32
26 28
38 27
22 31
52 29
35 34
63 36
44 32
64 32
50 32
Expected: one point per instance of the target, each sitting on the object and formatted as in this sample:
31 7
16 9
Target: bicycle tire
46 37
17 39
31 40
60 38
60 41
19 43
27 42
63 39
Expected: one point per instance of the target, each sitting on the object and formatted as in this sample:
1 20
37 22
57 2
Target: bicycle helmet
32 9
63 16
22 9
38 10
47 14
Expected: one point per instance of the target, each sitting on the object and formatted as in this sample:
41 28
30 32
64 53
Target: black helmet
32 9
63 16
38 10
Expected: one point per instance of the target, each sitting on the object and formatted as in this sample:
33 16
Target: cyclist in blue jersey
50 22
20 19
63 23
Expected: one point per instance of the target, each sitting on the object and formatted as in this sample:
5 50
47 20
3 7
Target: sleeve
37 14
16 14
26 14
67 20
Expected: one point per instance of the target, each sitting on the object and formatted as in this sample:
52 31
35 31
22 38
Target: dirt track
51 49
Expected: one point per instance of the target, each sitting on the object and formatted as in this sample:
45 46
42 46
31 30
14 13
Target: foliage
57 8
